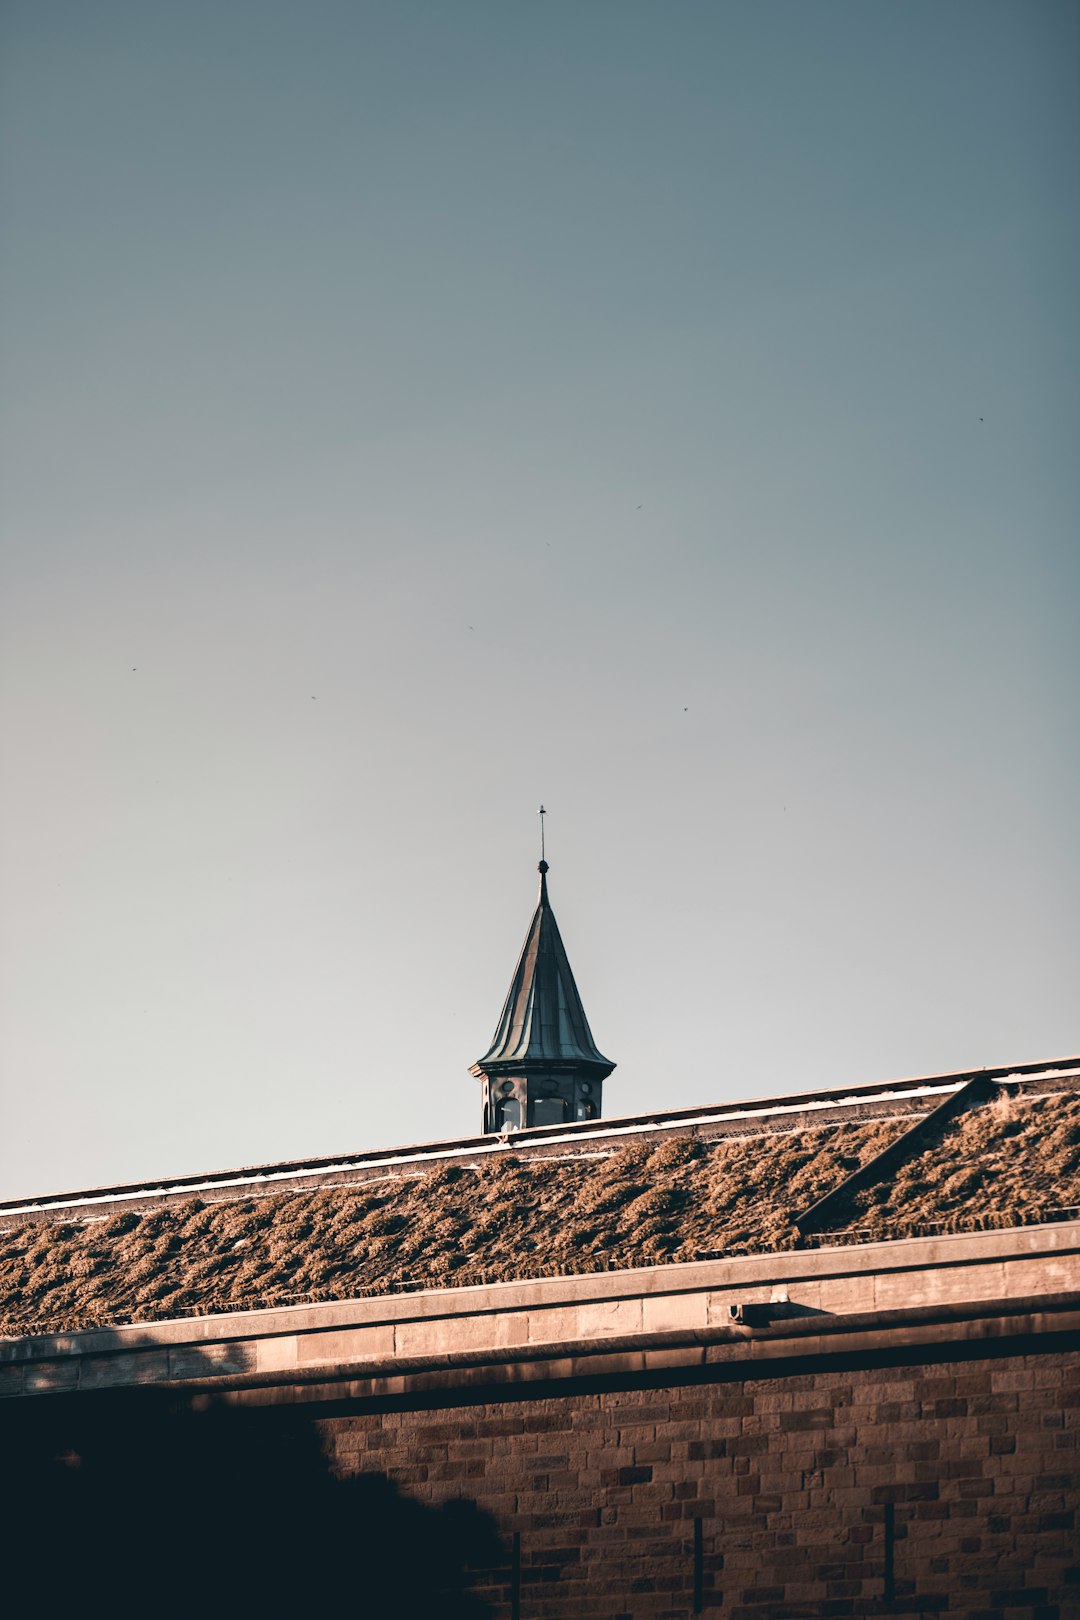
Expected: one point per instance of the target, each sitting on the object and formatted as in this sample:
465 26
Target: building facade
820 1356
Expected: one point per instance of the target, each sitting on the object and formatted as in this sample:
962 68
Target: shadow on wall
140 1505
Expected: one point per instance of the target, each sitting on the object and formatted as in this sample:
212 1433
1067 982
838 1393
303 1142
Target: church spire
543 1066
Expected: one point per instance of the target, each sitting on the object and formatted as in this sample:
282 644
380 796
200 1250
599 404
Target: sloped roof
1011 1158
543 1020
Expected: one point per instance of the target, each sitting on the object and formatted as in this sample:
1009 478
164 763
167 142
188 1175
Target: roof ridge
874 1095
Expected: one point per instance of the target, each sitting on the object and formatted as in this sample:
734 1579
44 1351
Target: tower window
549 1111
507 1114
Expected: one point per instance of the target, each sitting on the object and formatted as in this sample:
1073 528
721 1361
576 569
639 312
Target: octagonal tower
543 1066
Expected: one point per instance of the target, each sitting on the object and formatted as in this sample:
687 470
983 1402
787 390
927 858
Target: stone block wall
877 1429
915 1490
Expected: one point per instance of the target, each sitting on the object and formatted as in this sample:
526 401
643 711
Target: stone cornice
743 1312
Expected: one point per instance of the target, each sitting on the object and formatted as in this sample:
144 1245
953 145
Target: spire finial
543 867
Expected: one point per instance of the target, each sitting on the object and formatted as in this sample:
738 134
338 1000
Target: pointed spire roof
543 1021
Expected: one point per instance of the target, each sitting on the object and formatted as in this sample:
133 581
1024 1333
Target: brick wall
952 1486
591 1447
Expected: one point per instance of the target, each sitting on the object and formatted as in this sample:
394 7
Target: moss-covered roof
1013 1161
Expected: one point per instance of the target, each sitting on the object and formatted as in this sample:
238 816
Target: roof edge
820 1300
261 1178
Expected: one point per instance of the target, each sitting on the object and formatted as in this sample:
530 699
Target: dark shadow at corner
140 1503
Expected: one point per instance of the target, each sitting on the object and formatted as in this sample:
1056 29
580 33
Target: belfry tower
543 1066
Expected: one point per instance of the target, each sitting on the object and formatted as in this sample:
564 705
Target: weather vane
542 813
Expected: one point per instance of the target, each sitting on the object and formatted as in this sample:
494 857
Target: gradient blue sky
413 412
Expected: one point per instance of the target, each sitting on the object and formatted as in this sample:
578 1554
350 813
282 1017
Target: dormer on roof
543 1066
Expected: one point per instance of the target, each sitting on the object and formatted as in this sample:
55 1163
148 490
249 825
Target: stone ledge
987 1265
238 1378
975 1285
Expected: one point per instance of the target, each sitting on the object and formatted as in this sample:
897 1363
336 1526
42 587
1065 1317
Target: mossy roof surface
1010 1162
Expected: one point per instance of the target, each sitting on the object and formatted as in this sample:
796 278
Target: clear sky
413 412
